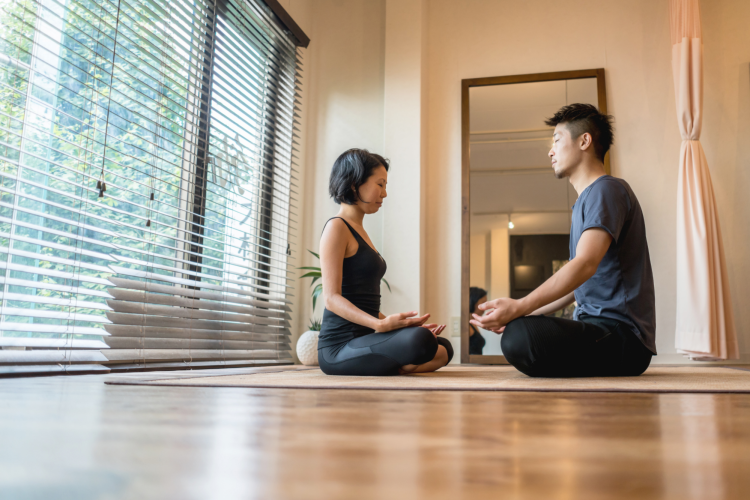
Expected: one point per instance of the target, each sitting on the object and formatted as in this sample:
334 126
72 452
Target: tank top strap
354 232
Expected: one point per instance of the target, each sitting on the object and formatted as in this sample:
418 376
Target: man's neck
586 173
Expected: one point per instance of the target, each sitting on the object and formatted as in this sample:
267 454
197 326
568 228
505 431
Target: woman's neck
352 213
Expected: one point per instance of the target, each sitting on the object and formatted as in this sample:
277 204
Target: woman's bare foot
439 361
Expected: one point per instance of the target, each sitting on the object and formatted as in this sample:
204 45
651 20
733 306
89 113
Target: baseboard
674 358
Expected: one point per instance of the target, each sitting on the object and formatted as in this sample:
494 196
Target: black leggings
382 353
544 346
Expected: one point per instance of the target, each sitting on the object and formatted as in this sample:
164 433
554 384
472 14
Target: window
146 183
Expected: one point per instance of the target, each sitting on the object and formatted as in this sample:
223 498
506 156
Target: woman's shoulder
336 228
335 224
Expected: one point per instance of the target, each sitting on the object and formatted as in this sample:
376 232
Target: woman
356 338
476 341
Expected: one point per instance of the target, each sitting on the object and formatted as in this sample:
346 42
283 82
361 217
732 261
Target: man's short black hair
351 170
581 118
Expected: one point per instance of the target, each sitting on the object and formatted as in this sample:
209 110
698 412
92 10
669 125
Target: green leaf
315 325
314 274
314 280
316 293
310 268
386 284
316 255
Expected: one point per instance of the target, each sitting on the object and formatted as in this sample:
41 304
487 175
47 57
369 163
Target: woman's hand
501 312
435 328
400 320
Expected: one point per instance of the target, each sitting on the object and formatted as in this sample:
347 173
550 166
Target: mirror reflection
519 211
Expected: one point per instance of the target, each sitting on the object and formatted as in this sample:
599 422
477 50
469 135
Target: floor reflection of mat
469 378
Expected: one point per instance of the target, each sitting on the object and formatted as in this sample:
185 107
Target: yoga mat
470 378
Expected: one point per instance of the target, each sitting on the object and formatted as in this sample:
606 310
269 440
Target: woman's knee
423 344
420 344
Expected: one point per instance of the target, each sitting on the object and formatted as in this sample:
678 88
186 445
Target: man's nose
551 153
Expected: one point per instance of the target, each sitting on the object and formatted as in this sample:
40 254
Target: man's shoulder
609 187
611 183
608 191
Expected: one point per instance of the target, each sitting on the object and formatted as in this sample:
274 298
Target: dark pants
544 346
382 353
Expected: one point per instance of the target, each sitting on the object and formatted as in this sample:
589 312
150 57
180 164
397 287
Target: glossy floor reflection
76 438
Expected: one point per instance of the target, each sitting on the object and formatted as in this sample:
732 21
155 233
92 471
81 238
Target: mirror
516 218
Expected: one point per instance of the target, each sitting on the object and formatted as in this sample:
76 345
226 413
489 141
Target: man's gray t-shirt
623 286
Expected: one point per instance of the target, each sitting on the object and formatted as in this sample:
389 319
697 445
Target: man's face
566 152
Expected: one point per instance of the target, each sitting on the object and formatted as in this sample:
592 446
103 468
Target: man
609 273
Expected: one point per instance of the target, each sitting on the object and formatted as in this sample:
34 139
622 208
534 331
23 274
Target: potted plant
307 345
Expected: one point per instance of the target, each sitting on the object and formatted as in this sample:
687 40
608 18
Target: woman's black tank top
360 285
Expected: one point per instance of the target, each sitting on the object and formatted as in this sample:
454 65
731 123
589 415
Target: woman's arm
555 306
333 244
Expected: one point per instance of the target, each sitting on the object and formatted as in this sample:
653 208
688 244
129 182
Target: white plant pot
307 348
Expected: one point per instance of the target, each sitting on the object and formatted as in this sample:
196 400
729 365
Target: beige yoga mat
473 378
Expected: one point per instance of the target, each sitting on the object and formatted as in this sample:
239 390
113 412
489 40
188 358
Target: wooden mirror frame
485 359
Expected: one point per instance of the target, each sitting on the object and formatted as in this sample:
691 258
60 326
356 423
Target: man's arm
590 251
556 305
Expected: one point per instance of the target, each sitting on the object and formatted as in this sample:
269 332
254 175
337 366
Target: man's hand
502 312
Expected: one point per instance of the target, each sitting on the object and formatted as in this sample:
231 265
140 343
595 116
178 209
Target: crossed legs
544 346
406 350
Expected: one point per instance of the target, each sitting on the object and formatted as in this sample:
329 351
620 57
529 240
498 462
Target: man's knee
516 345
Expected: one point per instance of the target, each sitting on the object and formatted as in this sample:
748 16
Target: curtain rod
300 38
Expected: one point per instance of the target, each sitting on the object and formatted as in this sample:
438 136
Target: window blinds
147 184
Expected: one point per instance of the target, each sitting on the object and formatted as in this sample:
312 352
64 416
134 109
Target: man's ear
585 141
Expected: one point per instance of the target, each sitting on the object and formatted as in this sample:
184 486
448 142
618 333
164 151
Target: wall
343 99
404 144
631 41
344 103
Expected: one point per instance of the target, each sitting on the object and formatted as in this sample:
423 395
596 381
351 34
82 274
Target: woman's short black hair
475 295
350 171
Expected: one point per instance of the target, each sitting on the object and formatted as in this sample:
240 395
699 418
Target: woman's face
372 192
476 308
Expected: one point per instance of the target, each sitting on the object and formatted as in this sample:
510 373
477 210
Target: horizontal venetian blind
147 184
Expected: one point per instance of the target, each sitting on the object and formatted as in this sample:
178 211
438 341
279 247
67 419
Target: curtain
705 323
146 184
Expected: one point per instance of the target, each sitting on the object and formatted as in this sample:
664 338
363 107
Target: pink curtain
705 324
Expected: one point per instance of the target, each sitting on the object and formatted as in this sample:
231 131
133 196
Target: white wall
472 38
405 138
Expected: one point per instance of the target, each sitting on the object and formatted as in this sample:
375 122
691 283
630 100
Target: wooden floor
76 438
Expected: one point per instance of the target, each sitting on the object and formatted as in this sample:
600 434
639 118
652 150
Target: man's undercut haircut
582 118
350 171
